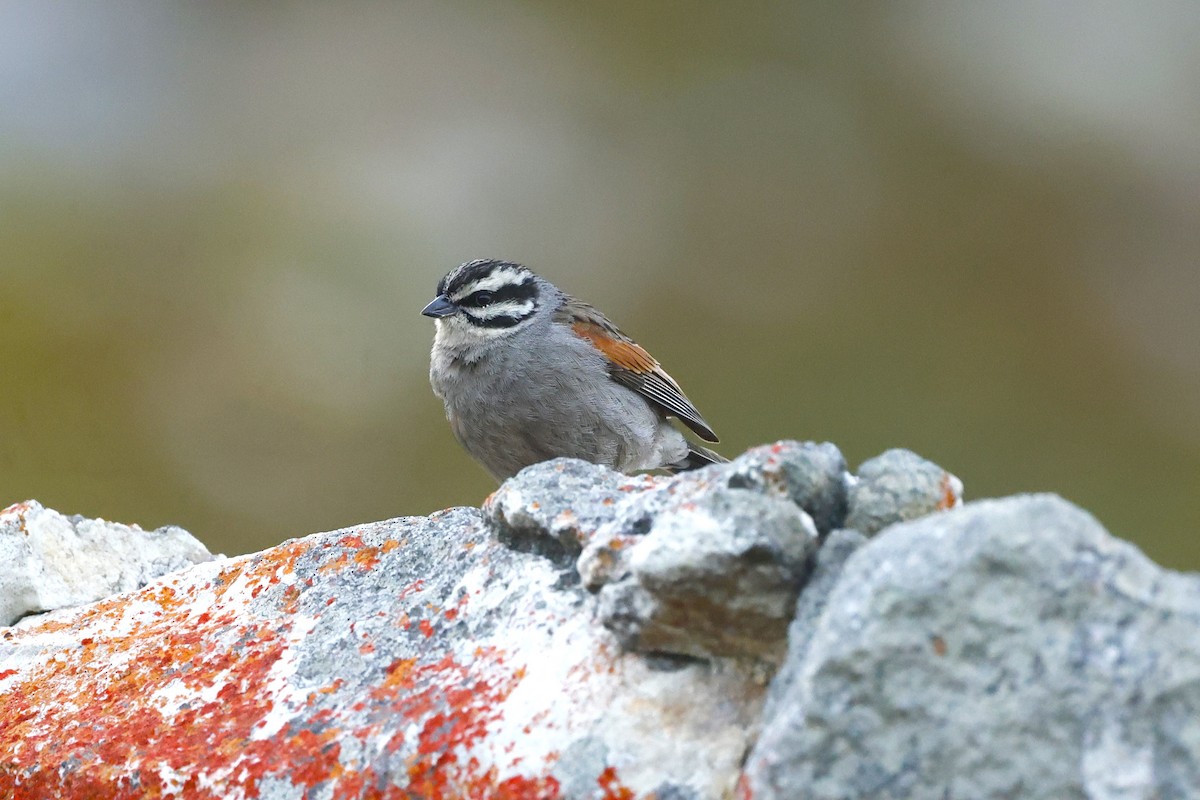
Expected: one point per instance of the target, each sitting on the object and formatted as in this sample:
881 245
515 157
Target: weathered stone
835 551
553 508
416 658
898 486
718 575
811 475
48 561
1005 649
1010 648
684 565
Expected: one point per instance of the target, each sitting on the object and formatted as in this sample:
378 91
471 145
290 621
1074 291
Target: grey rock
683 565
662 587
559 508
580 763
625 521
898 486
715 575
835 551
1003 649
811 475
1010 648
49 561
671 791
553 508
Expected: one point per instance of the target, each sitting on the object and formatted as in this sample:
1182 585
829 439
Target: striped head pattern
493 297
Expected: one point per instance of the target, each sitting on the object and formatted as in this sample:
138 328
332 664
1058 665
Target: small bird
528 373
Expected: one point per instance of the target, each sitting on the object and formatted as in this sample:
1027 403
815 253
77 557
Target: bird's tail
696 457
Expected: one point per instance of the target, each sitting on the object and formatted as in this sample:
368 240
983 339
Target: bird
528 373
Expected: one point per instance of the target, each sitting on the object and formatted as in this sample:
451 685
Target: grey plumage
528 373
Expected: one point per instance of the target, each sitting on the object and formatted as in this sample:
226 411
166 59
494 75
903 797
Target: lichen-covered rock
48 561
1010 648
415 658
592 635
897 486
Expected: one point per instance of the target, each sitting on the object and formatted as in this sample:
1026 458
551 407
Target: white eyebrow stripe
496 279
508 308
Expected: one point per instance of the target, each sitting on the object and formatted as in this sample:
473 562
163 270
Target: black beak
440 307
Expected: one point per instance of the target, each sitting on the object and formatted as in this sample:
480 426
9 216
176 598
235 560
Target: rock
553 508
48 561
1010 648
831 558
715 576
897 486
418 657
684 566
707 562
593 635
811 475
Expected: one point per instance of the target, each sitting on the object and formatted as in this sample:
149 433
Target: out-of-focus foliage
968 229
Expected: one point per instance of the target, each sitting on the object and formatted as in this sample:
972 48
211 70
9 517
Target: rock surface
48 561
1009 649
417 657
714 575
897 486
716 634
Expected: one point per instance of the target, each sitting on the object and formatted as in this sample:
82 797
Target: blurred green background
972 230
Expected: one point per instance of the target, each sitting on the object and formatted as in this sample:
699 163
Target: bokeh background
970 229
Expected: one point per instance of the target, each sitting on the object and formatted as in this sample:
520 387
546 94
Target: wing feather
632 366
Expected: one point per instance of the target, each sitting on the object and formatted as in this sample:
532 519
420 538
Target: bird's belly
507 430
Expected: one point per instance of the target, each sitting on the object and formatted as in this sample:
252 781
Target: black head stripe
526 290
464 275
504 321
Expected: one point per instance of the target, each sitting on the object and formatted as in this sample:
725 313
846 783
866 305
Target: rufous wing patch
621 352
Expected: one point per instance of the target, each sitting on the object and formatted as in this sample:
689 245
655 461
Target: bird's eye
483 298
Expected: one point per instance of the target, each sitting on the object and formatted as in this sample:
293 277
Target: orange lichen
368 558
77 709
335 564
416 586
613 790
949 498
191 687
398 672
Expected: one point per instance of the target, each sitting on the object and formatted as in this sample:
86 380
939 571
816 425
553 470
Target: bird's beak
440 307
